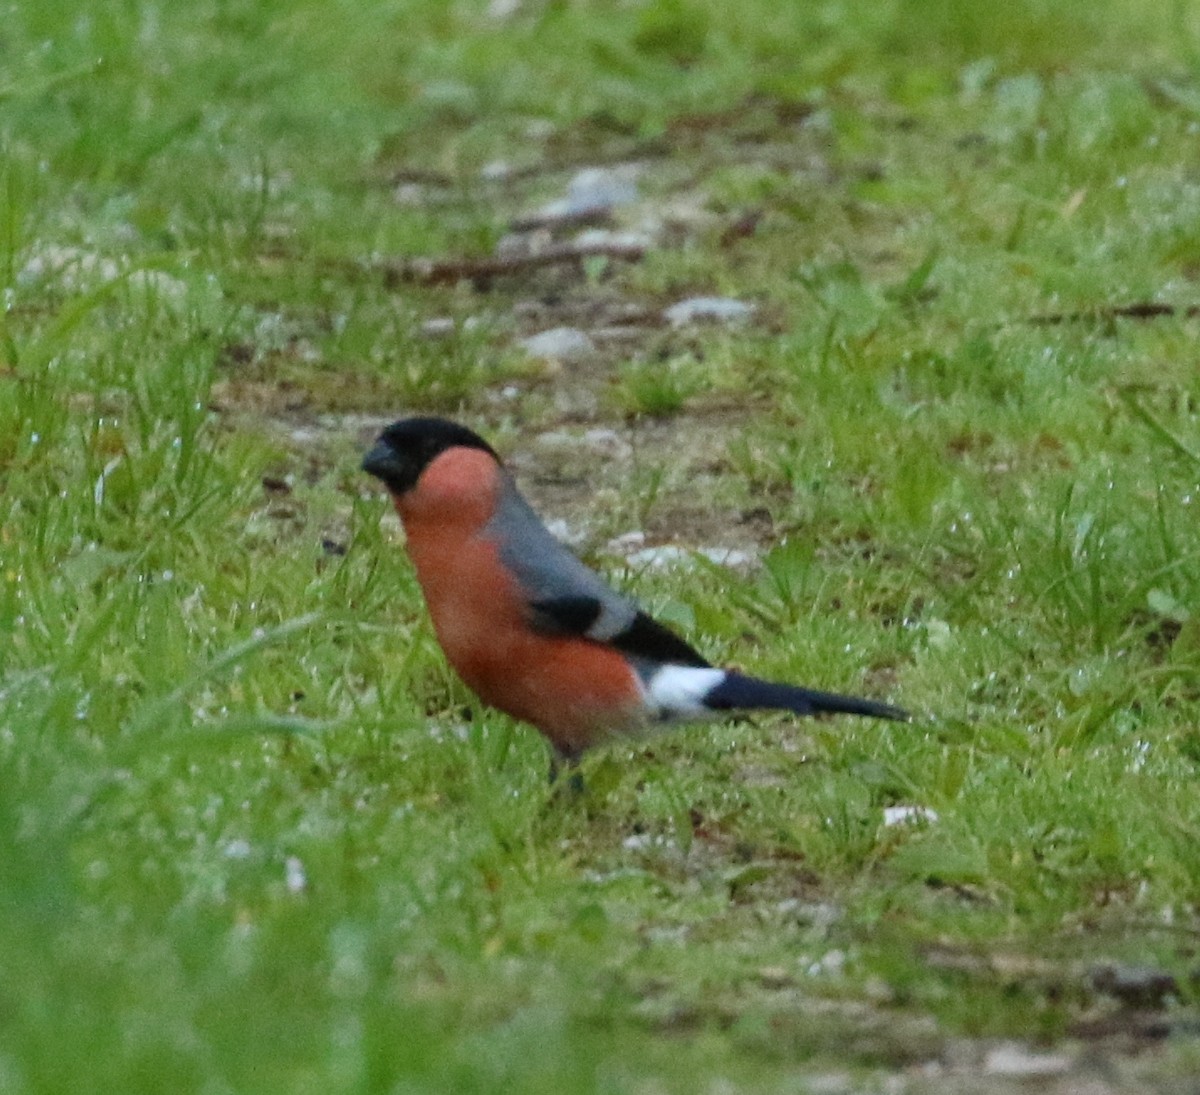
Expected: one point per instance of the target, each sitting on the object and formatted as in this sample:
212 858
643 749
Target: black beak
385 463
379 460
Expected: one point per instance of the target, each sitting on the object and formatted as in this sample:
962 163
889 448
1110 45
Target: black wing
565 615
564 597
642 637
647 638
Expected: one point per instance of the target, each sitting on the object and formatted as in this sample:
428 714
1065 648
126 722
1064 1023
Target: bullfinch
530 629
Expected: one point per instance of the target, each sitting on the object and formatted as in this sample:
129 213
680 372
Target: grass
253 834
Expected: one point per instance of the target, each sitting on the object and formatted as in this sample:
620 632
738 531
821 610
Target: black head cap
406 447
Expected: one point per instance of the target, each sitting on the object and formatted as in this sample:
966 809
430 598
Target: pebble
1013 1059
565 344
272 331
708 310
410 195
294 875
74 268
594 190
438 327
733 558
671 555
626 542
902 815
603 187
644 842
601 238
497 171
829 964
566 533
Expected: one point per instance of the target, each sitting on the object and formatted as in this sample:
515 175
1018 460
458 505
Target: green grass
253 834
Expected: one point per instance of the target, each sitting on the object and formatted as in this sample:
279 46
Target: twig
1145 309
427 271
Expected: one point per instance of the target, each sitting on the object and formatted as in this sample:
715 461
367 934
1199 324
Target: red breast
575 691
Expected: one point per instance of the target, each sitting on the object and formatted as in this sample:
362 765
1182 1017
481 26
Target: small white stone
74 268
496 171
271 332
626 542
593 190
733 558
294 876
559 344
438 327
599 238
938 635
409 194
565 533
1013 1059
665 556
901 815
641 842
708 310
660 557
830 964
603 187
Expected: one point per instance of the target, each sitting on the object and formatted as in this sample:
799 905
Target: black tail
749 693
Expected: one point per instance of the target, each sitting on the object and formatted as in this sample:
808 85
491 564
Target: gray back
546 570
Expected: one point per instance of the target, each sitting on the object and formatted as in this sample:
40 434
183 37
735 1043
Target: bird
533 631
